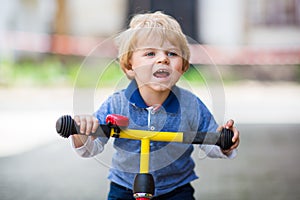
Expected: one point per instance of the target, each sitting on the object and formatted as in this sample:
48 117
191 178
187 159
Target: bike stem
143 187
144 157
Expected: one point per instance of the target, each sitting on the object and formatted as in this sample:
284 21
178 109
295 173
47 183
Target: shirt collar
171 104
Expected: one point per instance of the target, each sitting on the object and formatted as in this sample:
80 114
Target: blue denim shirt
170 163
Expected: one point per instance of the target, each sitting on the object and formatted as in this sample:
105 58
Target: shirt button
152 128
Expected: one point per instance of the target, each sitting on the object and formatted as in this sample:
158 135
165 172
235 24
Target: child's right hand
88 123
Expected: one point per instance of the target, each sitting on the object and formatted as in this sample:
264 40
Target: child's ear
130 73
186 67
127 70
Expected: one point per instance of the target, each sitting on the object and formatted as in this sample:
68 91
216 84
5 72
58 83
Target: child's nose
163 59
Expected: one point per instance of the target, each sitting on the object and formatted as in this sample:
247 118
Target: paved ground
36 164
267 168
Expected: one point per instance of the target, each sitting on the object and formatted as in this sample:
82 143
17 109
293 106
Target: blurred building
29 25
185 12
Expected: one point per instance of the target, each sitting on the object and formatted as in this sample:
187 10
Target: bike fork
143 187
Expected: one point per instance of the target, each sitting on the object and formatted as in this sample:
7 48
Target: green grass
104 73
28 73
57 72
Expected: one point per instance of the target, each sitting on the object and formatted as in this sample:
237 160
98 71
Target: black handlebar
65 126
222 139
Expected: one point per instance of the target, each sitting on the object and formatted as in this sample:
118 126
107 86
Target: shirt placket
151 112
152 126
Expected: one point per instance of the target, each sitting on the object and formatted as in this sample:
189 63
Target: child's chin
160 87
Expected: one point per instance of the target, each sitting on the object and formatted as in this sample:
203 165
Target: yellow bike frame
145 137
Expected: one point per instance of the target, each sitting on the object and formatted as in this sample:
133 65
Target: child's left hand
236 136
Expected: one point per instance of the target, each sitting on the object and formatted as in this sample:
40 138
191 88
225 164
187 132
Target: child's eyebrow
173 49
149 48
145 49
155 48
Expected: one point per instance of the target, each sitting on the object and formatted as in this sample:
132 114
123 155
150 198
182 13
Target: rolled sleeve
214 151
89 149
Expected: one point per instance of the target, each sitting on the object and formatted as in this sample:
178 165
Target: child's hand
236 135
88 123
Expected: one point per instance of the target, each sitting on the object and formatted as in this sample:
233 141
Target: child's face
157 66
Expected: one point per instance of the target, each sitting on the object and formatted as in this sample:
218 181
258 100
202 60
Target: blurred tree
61 24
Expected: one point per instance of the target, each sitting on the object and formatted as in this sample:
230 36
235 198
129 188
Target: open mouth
161 73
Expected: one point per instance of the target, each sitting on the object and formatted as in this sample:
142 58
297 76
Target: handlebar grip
225 140
222 139
66 126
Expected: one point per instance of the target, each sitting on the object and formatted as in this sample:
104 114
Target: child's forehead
156 44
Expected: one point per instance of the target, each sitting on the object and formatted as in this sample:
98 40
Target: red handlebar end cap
118 120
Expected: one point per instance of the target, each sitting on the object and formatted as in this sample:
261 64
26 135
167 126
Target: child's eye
150 54
172 54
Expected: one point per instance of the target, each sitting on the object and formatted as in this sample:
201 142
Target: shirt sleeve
214 151
94 147
208 124
90 148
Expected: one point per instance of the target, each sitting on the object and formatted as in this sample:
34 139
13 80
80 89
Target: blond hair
142 27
